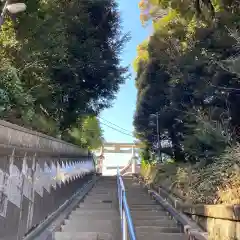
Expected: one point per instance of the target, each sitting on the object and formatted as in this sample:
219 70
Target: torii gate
131 167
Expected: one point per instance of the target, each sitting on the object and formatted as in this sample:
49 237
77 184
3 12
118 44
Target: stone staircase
97 217
150 219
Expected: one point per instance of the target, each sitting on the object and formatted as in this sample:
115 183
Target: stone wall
12 135
35 178
220 221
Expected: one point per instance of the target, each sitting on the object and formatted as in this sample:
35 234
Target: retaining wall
30 188
222 222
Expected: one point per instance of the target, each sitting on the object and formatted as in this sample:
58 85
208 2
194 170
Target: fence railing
127 227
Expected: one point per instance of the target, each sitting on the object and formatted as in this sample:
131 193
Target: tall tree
60 60
87 133
194 95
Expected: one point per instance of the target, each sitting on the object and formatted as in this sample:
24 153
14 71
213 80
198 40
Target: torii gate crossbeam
111 147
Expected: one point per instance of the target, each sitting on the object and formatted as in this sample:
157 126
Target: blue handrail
128 231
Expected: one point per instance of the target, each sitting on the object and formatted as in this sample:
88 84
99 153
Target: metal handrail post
122 212
131 229
125 227
120 197
128 231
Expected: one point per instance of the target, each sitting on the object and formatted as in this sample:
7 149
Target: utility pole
158 136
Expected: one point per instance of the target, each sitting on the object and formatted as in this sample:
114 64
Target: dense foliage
59 61
215 183
87 133
188 72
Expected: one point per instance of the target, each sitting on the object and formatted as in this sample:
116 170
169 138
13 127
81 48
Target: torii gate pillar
133 161
100 160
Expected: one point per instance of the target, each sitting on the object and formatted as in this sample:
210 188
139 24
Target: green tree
66 61
196 98
87 133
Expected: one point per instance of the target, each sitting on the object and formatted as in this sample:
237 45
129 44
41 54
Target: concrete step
90 218
137 201
103 198
94 193
148 213
103 186
131 190
158 229
82 236
106 191
134 194
155 222
99 200
160 210
97 212
106 197
94 222
153 208
99 195
161 236
140 199
97 226
148 204
149 217
96 206
137 205
103 191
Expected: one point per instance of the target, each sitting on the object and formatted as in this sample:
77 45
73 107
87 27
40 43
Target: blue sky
123 108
